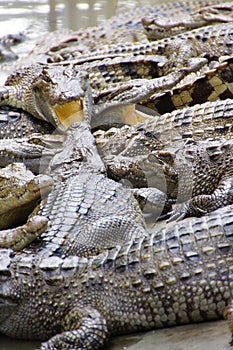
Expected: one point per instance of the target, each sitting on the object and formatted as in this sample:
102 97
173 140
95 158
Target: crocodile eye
45 75
153 136
47 79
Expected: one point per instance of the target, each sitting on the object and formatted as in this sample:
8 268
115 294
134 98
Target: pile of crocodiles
117 178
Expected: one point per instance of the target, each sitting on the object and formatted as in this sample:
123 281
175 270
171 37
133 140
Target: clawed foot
178 213
183 210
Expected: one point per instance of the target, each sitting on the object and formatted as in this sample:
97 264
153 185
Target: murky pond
34 19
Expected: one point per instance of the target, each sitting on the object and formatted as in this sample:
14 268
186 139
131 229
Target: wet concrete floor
202 336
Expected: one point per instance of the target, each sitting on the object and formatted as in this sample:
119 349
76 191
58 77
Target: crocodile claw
183 210
179 212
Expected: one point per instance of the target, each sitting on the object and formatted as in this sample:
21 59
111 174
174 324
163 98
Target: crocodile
197 174
97 211
15 123
21 191
124 27
86 211
211 41
157 26
54 93
209 120
43 91
128 151
174 276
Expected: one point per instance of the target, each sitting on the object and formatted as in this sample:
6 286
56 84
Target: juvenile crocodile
157 26
175 276
124 27
18 124
199 122
21 191
198 174
43 90
86 211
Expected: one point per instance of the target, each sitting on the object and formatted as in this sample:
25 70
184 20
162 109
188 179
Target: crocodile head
159 27
78 149
54 94
21 192
59 95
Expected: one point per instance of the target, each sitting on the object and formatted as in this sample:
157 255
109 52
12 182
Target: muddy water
35 18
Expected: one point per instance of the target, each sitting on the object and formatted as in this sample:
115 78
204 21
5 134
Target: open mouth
69 112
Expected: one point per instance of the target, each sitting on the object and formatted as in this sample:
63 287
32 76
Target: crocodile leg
178 275
203 204
83 328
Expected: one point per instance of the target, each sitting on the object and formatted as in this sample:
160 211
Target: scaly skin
197 174
128 151
122 28
18 124
157 26
86 211
199 122
55 93
44 90
32 153
21 191
175 276
211 85
211 41
19 237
